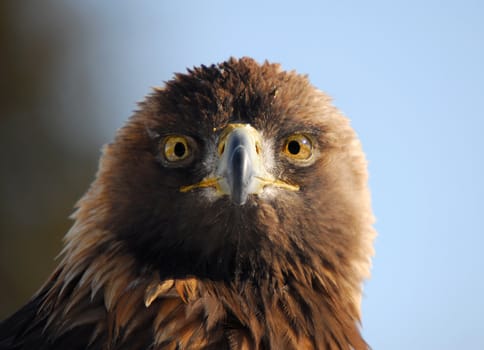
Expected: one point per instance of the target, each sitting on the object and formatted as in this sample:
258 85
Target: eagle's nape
177 245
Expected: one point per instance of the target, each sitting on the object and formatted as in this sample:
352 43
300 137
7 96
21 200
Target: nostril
258 148
221 148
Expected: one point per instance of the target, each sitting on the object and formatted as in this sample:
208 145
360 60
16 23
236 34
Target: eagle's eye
177 150
298 147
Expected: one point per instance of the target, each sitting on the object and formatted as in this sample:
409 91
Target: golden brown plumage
230 212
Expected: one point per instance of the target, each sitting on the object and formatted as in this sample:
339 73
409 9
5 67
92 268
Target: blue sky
409 74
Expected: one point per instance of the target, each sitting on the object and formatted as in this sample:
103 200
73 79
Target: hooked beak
240 169
237 167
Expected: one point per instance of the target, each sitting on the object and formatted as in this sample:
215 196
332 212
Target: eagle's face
232 168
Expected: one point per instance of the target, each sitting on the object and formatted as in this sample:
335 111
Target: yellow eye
298 147
176 148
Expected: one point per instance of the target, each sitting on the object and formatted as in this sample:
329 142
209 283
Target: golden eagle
230 212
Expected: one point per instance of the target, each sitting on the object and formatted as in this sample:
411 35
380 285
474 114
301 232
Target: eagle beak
240 163
240 169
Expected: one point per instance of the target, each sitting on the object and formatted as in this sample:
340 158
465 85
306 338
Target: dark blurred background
49 137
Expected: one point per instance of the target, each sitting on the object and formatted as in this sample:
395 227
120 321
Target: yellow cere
227 130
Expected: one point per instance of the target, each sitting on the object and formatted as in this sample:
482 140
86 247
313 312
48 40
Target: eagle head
231 211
